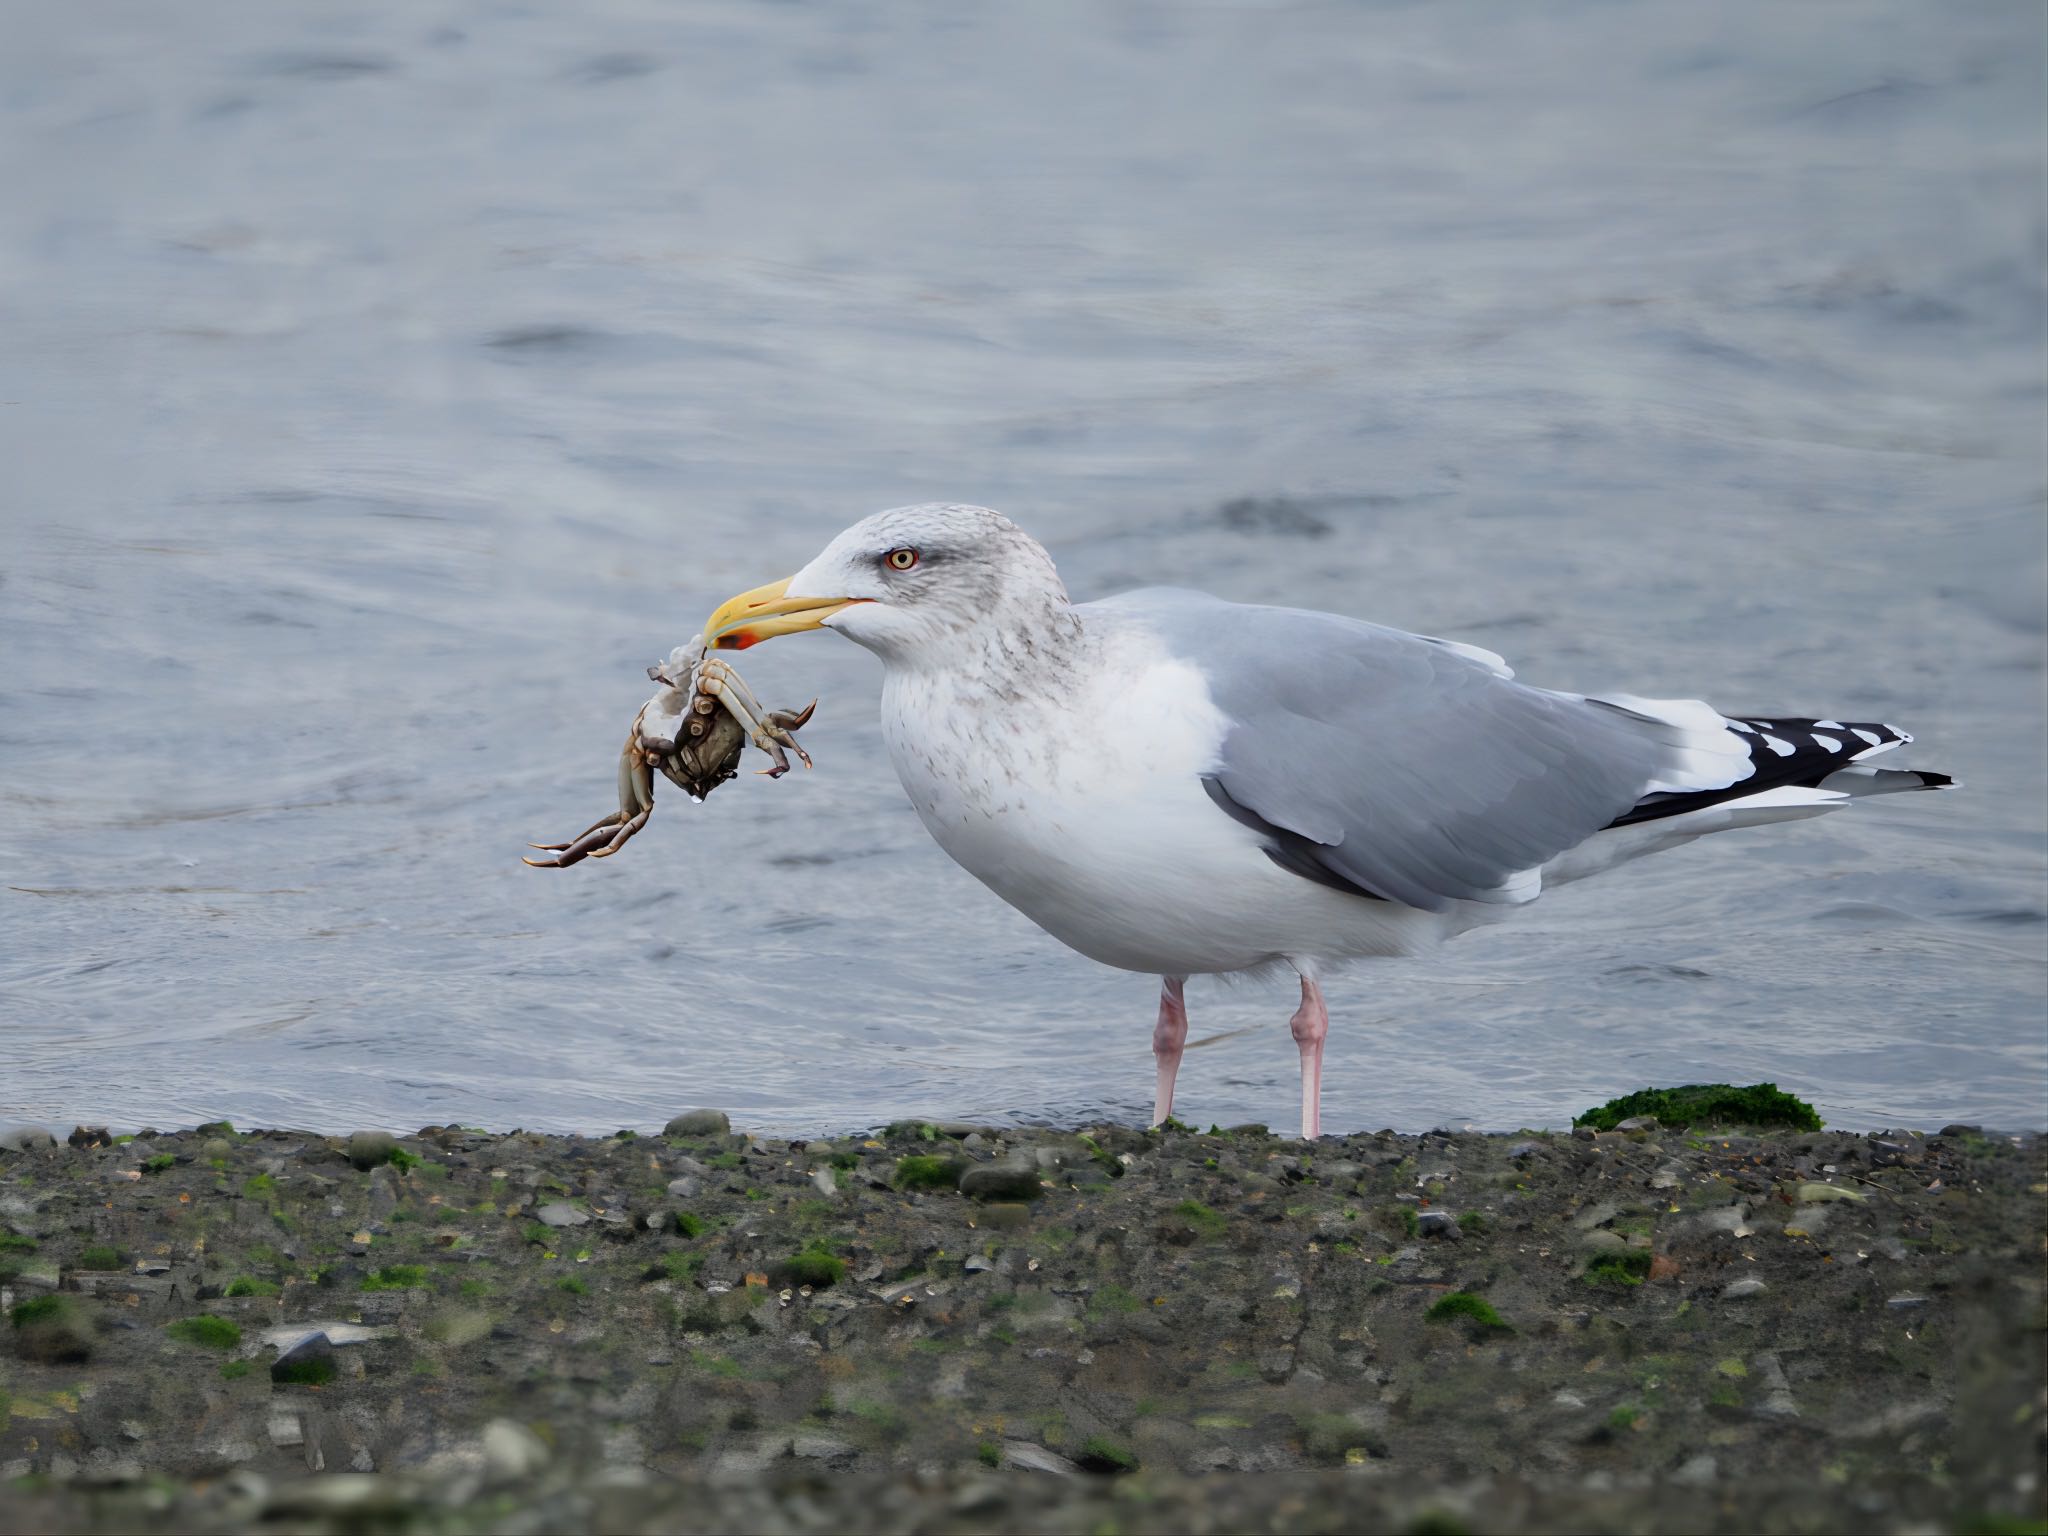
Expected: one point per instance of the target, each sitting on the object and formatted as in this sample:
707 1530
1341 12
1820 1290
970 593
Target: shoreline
214 1329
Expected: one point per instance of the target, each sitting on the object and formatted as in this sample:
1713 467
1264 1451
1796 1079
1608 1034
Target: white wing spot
1831 743
1870 736
1737 725
1782 748
1830 725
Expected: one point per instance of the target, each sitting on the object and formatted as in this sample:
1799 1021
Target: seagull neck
1009 652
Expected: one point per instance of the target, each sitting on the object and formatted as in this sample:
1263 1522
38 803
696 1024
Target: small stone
1700 1471
699 1122
1584 1133
1820 1194
1001 1181
1670 1176
1024 1456
366 1149
1602 1241
1438 1224
215 1148
1735 1290
976 1264
1521 1150
560 1213
824 1182
1778 1403
1596 1215
1732 1219
286 1429
512 1451
1959 1128
1638 1123
27 1138
1905 1303
289 1364
1663 1267
820 1448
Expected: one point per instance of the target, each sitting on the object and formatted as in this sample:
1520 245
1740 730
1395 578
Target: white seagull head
915 585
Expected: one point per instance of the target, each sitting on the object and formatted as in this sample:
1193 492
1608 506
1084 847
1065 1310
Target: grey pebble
1735 1290
561 1214
27 1138
1001 1181
1905 1303
1024 1456
366 1149
314 1346
1438 1224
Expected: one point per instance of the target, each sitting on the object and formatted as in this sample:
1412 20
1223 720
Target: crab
694 730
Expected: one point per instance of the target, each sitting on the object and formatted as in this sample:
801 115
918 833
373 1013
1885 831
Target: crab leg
769 732
607 836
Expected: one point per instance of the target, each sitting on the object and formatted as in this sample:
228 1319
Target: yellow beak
764 613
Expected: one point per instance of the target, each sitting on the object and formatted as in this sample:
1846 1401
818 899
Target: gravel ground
945 1327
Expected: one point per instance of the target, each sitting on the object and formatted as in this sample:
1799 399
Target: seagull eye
900 559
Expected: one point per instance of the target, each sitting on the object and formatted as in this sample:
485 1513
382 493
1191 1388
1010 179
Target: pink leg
1168 1038
1311 1023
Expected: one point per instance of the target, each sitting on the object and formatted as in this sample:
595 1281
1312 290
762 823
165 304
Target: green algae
925 1171
37 1309
1099 1453
249 1285
815 1265
314 1372
207 1331
1208 1222
396 1277
1626 1267
100 1256
1463 1306
1760 1104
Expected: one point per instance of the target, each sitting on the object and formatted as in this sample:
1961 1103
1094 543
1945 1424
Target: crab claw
777 730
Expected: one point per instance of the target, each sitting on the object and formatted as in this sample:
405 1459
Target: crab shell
708 745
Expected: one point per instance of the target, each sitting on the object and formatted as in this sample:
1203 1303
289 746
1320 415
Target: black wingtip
1936 780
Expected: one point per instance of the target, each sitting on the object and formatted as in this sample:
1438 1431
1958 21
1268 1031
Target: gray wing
1397 766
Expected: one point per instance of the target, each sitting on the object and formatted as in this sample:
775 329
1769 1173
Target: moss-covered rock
1761 1105
52 1330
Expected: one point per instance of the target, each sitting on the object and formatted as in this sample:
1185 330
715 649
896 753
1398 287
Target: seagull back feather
1407 769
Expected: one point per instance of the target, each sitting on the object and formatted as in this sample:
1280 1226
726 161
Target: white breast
1085 811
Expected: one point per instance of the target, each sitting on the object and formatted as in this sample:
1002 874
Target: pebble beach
937 1327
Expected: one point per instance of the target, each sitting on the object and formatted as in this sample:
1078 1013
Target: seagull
1178 785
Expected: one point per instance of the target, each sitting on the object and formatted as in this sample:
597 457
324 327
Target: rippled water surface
383 385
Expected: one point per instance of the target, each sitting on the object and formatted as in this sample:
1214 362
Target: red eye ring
900 559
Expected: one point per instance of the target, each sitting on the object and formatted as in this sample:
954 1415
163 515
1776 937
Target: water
383 386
